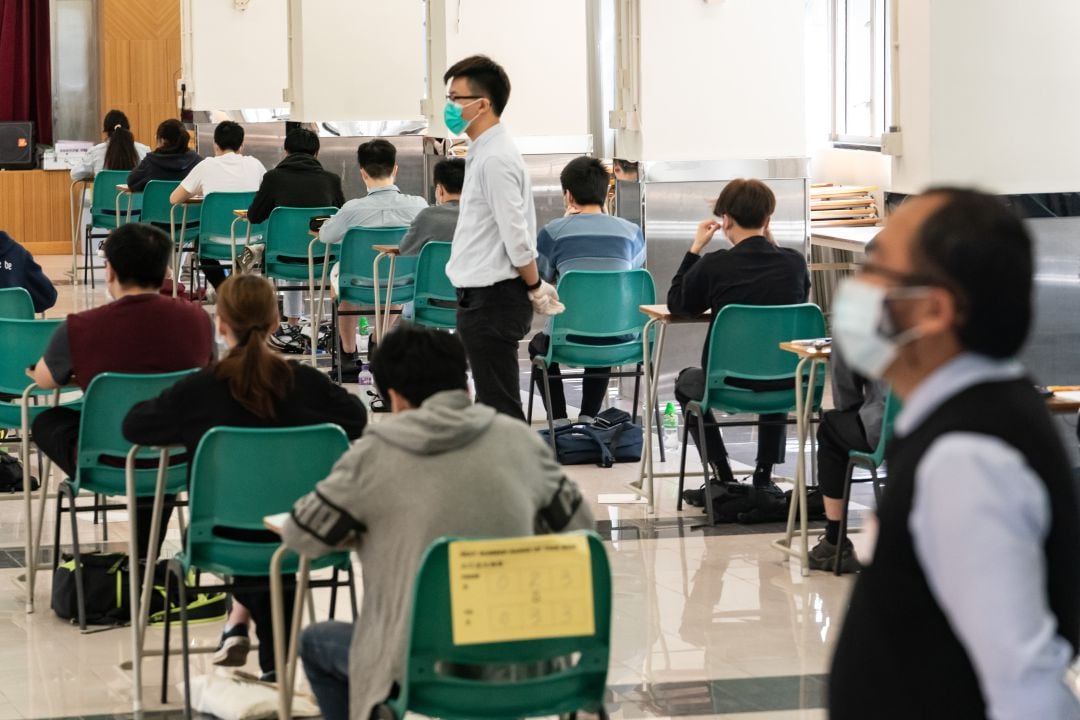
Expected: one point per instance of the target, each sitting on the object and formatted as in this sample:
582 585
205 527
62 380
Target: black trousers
491 321
258 604
56 433
214 273
690 385
840 432
593 386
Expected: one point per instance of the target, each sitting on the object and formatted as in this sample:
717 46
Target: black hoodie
298 181
163 166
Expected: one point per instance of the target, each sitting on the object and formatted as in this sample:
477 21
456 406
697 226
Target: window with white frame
861 84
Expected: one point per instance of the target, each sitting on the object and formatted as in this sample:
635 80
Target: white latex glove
545 300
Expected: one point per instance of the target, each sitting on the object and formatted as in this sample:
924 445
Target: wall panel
34 209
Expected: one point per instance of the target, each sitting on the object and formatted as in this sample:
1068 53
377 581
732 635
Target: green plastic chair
599 306
356 277
22 343
744 348
16 304
239 476
103 212
871 461
287 236
220 229
157 210
102 451
434 297
427 690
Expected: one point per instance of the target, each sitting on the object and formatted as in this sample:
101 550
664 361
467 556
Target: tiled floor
711 624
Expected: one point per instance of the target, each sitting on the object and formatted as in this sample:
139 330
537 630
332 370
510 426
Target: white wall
541 45
235 59
721 81
357 59
989 95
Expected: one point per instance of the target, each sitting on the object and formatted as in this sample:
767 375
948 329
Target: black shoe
823 556
232 650
696 498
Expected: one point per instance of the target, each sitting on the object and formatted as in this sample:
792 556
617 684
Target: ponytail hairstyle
258 378
121 153
173 138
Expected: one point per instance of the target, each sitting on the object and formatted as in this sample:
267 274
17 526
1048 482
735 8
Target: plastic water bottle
670 424
365 377
363 336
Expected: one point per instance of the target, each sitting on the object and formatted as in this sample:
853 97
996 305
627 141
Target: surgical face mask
452 117
864 331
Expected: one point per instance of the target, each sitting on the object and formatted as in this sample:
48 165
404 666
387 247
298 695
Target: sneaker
233 648
823 557
585 419
288 339
268 677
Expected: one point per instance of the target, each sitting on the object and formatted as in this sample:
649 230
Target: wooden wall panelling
34 209
140 61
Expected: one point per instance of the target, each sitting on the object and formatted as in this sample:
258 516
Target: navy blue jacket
18 269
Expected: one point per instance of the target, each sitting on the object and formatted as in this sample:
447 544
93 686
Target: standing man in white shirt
227 171
493 258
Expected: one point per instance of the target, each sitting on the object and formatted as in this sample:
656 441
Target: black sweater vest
897 656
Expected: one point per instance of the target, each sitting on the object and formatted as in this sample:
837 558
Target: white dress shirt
380 208
94 160
231 172
496 230
979 519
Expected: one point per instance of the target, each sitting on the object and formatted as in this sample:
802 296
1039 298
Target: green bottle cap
670 409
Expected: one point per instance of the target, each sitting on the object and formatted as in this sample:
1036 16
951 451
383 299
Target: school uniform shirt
496 230
381 207
230 172
94 161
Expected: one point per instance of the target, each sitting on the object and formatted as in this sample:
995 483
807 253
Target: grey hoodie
447 468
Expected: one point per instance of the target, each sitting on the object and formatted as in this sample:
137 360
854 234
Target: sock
763 474
832 531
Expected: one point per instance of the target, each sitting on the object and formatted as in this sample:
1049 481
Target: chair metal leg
181 588
703 449
659 431
682 459
104 518
168 627
532 394
80 601
333 594
843 516
877 485
637 394
547 404
56 526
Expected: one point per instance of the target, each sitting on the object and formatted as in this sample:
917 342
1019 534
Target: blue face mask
452 117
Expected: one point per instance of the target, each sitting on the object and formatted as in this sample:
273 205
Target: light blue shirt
496 229
381 207
979 519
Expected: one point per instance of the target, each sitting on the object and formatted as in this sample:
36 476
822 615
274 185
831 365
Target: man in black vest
971 606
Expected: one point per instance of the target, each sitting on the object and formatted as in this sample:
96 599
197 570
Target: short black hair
586 179
450 173
486 77
377 158
139 254
302 140
418 362
975 246
229 135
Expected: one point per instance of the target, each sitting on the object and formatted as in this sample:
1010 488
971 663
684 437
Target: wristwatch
536 285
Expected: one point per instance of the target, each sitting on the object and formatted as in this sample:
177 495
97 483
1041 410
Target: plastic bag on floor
237 697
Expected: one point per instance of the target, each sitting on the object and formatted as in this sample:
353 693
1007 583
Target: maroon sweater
139 334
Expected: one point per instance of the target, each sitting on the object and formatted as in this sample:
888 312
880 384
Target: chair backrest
893 406
357 257
217 216
22 343
16 304
287 235
155 202
426 690
103 198
241 475
600 305
108 399
434 296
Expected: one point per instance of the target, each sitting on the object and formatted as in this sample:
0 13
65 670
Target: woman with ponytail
118 152
172 159
250 386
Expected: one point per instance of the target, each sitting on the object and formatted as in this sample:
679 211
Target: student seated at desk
118 152
438 222
227 171
442 448
249 387
18 269
754 271
172 159
585 238
140 331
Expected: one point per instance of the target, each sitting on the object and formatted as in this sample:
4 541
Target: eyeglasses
455 98
900 278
